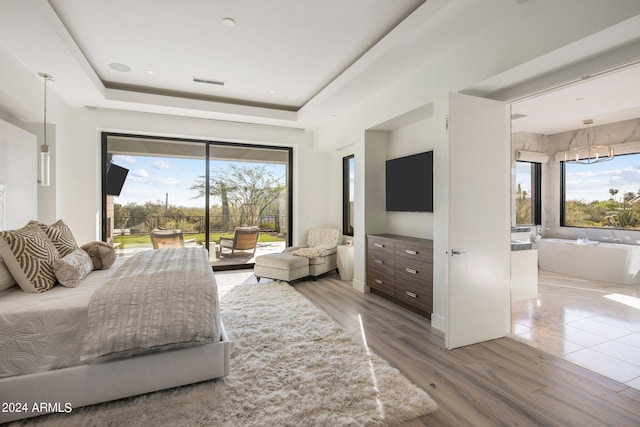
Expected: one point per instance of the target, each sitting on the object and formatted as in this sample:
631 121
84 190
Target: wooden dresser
401 268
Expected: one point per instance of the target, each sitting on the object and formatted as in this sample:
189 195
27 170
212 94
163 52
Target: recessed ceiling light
229 22
149 71
272 91
120 67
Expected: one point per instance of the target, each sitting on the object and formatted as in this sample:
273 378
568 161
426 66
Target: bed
70 347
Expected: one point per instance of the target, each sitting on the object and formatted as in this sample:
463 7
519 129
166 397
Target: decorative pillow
102 254
29 256
60 234
71 269
6 279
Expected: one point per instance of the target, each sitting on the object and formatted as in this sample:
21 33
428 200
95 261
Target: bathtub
608 262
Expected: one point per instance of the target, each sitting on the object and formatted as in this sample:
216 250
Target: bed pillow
60 234
71 269
102 254
6 279
29 256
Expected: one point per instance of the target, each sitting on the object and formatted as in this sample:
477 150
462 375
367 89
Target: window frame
536 190
346 193
208 145
563 196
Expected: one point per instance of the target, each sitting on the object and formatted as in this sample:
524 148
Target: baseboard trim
438 322
361 286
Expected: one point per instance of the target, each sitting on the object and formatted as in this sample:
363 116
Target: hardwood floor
501 382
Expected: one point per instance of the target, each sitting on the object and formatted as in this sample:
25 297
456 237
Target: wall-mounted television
116 175
409 183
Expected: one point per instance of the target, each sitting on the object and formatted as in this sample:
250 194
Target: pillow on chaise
71 269
29 256
102 254
60 234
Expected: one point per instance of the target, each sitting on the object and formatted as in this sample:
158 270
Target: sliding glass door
232 199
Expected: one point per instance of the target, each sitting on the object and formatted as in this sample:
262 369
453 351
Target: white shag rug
291 365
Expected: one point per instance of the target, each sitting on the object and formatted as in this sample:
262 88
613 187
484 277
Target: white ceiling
279 53
606 99
287 63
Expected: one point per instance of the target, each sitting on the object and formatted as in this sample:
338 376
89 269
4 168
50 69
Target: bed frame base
101 382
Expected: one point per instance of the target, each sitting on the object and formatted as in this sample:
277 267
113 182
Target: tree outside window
602 195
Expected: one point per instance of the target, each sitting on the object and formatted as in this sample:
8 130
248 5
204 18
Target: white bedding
45 331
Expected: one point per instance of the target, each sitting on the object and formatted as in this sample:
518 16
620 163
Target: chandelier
589 153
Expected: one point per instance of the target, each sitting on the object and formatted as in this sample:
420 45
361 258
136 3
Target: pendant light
45 155
589 153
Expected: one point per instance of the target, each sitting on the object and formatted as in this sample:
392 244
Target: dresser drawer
401 267
420 297
381 281
408 252
381 261
413 271
380 245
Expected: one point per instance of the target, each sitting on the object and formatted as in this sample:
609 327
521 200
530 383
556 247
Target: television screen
409 183
116 176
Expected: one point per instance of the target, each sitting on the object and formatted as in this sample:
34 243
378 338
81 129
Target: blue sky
592 182
151 178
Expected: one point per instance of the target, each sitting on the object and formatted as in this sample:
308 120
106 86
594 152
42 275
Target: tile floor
593 324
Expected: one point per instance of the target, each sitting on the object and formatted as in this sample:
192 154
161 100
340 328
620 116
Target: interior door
479 231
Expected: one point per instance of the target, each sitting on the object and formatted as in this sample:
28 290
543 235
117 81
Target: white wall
18 171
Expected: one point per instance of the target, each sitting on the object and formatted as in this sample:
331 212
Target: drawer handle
411 294
410 252
378 245
411 270
378 261
379 282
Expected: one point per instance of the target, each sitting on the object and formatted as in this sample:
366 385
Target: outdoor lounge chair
244 239
165 239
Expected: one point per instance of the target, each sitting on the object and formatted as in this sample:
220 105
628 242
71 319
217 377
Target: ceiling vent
209 82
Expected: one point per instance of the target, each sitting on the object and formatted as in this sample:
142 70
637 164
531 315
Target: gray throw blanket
156 298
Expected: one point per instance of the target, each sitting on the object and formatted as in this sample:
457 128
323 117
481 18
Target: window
204 189
602 195
348 174
528 201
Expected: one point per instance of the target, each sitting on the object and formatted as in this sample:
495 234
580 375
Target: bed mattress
45 331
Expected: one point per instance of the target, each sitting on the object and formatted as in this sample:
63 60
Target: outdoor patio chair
165 239
244 239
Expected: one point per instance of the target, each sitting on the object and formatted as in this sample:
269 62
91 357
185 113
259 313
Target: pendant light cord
45 110
46 78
